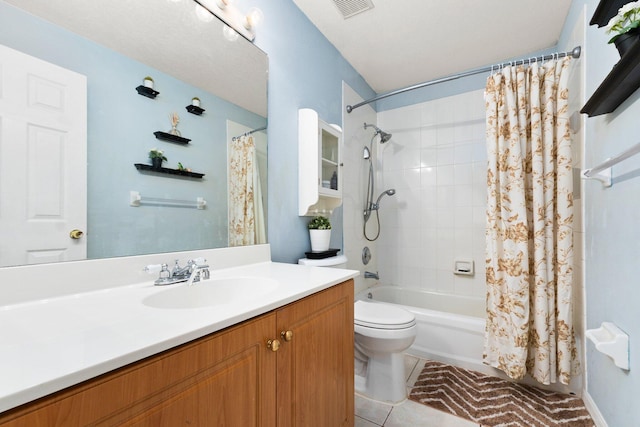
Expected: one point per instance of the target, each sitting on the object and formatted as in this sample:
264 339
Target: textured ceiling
399 43
167 37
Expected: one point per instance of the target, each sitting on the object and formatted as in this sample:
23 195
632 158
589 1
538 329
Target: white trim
593 409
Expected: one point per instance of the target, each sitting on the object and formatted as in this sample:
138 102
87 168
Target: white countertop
51 344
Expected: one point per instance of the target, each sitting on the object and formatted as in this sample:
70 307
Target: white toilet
382 333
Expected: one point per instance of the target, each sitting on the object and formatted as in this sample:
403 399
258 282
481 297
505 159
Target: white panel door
43 171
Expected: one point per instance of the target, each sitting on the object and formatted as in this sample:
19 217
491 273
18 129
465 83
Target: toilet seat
381 316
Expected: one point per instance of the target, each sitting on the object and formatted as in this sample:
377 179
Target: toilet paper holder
612 341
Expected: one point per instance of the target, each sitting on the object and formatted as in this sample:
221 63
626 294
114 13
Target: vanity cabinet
319 165
230 378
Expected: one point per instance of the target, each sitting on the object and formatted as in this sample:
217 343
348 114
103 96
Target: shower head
389 192
384 136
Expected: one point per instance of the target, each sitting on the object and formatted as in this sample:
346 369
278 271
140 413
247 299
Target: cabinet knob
287 335
273 345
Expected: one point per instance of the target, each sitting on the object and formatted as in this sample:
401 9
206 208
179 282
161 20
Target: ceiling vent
349 8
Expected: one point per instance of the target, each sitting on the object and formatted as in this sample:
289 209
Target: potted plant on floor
319 233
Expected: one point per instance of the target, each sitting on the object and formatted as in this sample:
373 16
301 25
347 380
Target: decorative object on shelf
146 88
182 168
319 233
175 119
195 108
148 168
157 157
624 27
171 138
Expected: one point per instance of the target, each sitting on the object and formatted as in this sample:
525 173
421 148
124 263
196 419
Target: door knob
287 335
75 234
273 345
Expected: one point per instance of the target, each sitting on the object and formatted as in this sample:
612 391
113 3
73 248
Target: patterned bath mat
492 401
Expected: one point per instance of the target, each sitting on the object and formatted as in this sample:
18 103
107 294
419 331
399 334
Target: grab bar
135 199
602 172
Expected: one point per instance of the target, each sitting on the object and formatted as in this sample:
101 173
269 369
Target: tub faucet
370 275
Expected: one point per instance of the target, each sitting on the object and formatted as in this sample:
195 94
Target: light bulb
222 4
203 14
229 33
253 19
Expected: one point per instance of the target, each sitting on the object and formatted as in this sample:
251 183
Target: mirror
115 44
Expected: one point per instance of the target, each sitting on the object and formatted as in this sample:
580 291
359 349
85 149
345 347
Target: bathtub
450 327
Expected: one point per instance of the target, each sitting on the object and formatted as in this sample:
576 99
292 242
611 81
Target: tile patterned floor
370 413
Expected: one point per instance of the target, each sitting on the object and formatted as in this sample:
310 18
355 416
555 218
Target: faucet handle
199 261
153 268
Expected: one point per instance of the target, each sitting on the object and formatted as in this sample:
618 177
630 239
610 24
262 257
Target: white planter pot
320 240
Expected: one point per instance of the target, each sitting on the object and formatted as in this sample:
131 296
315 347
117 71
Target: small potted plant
319 233
195 101
148 82
157 157
624 27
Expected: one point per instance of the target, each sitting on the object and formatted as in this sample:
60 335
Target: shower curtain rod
249 133
574 53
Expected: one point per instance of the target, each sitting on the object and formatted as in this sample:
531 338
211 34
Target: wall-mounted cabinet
319 165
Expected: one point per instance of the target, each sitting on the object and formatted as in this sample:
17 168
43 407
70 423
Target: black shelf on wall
165 136
168 171
147 91
624 78
606 10
622 81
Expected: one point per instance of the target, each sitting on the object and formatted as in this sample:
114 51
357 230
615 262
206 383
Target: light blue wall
612 237
120 133
305 71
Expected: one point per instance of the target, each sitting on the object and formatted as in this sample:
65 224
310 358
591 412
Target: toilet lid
381 316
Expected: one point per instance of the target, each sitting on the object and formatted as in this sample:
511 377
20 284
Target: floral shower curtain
246 214
530 223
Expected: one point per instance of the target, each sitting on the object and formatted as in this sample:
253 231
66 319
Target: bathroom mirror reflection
114 45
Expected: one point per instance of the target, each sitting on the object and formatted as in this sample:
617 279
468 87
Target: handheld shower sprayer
375 206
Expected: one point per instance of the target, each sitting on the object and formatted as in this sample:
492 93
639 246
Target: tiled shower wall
436 162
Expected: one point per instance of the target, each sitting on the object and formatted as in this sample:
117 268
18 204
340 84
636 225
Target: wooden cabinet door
226 379
315 368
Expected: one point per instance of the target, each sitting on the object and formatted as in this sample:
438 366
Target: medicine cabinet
319 165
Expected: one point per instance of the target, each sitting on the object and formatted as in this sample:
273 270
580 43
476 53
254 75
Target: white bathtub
450 327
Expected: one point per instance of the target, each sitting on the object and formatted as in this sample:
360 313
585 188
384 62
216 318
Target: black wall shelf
165 136
147 91
193 109
606 10
149 168
622 81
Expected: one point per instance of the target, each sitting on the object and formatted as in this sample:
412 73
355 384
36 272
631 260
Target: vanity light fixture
230 15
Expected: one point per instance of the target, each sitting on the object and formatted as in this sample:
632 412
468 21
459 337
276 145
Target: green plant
154 153
319 223
627 19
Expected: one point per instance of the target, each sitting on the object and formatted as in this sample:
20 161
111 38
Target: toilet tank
338 261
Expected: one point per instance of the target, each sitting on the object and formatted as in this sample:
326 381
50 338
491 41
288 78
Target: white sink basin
212 292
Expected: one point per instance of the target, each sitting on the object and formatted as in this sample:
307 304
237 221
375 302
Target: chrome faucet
194 271
370 275
200 272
